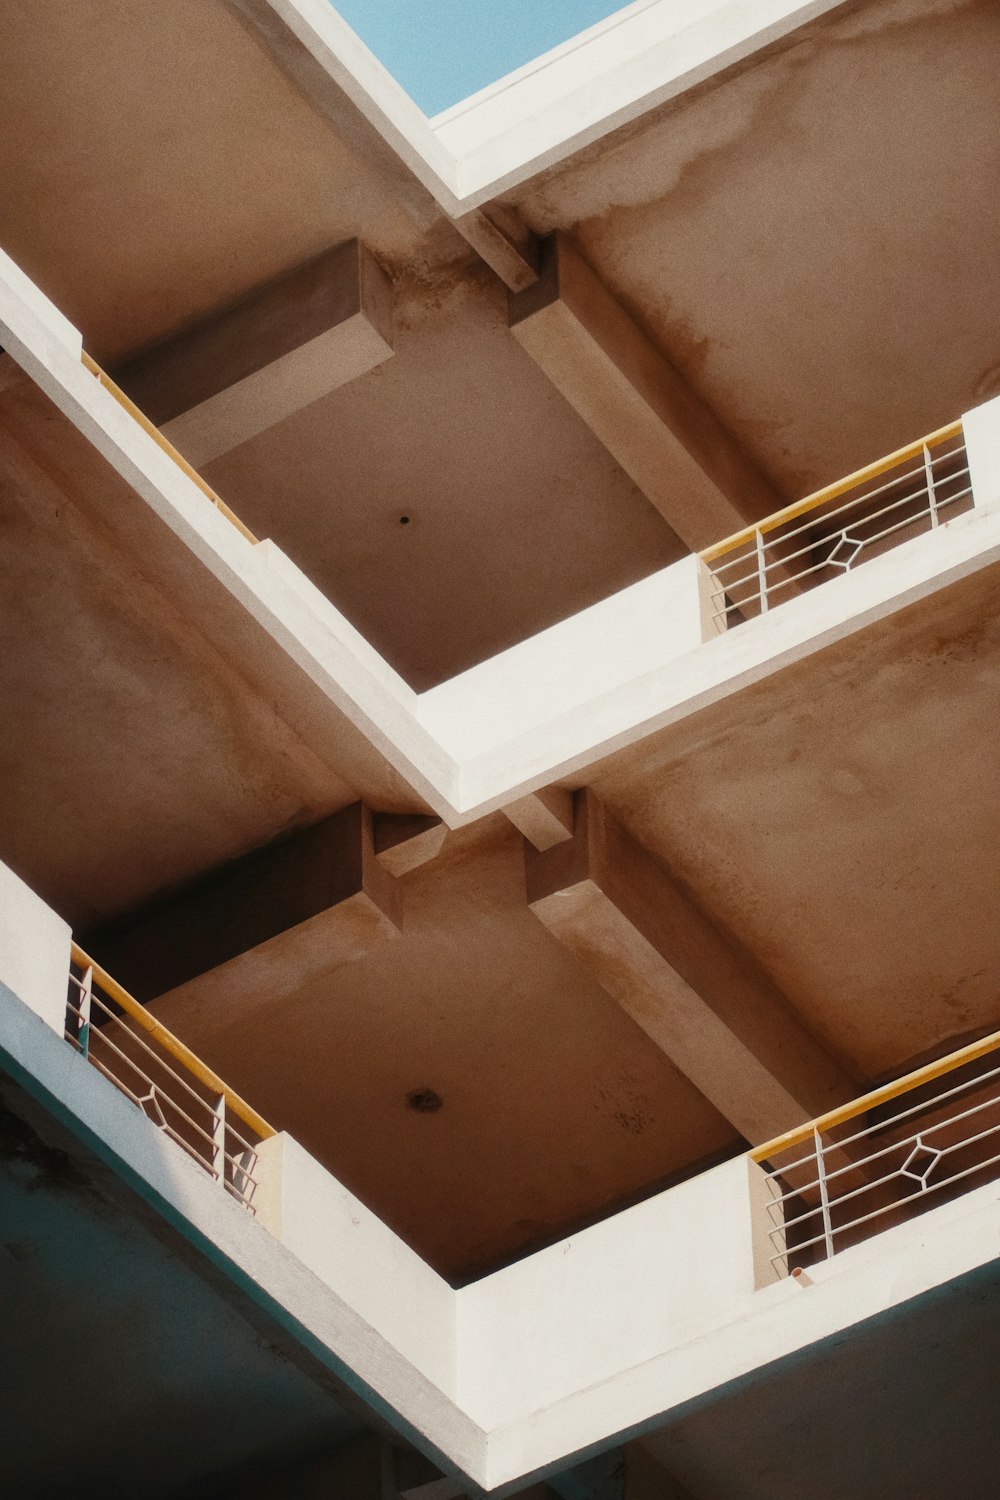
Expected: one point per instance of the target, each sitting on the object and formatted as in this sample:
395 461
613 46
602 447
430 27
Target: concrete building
499 968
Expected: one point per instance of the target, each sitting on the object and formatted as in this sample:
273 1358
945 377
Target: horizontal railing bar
902 1203
783 559
875 1097
103 1038
168 1129
979 1081
162 442
831 515
832 491
890 1177
156 1089
949 1150
921 495
896 526
906 1144
173 1045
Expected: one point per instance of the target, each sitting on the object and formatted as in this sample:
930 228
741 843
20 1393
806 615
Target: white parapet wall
617 640
981 428
661 1275
34 950
350 1249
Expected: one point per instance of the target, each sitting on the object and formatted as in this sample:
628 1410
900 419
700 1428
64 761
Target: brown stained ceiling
516 516
152 731
556 1106
811 243
812 240
842 818
156 165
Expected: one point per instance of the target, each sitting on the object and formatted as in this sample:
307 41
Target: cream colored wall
625 636
982 443
349 1248
34 950
661 1275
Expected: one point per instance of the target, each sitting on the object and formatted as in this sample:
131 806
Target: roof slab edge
573 95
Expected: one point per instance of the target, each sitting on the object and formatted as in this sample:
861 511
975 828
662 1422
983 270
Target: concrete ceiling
156 164
556 1107
153 737
516 515
812 239
136 1373
842 819
809 241
898 1407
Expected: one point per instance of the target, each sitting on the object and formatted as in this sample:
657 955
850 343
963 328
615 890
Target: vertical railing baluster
86 991
761 571
824 1196
219 1139
931 495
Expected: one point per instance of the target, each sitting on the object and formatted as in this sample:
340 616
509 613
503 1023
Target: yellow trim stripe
888 1091
832 491
173 1045
161 442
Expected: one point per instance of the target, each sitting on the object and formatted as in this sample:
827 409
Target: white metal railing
884 1158
827 534
189 1102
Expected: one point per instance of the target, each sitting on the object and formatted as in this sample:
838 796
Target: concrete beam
265 923
703 1001
403 841
500 239
644 412
231 377
544 817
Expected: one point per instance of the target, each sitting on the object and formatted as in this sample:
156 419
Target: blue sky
443 50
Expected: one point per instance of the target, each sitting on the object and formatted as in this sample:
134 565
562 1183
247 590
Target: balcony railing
885 1157
827 534
173 1088
161 442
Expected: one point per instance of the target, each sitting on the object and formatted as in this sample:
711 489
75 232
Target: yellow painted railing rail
831 492
172 1044
161 442
883 1095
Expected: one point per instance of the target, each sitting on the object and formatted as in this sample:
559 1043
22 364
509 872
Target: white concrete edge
885 1272
35 947
350 1248
758 649
538 115
387 106
870 1280
461 787
313 633
56 323
310 1308
624 68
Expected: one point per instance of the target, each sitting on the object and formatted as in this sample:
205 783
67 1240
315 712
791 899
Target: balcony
826 535
883 1159
164 1079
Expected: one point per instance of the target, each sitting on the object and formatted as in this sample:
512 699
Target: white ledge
557 702
610 74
